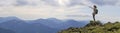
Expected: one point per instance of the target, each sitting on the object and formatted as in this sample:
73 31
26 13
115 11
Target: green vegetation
95 27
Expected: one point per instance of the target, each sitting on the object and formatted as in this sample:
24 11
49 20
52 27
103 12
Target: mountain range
50 25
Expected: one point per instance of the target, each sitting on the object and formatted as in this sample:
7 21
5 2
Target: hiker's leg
93 16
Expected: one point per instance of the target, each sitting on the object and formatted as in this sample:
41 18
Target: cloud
7 2
78 15
107 18
21 2
105 2
79 2
54 2
29 9
58 2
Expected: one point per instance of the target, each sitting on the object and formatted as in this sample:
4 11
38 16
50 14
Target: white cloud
63 2
106 2
7 2
107 18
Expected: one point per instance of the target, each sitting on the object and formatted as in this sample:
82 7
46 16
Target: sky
108 10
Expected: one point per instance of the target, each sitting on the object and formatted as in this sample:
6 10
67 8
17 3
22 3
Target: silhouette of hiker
95 11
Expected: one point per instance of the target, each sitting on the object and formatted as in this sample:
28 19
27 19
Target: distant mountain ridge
2 30
50 25
60 24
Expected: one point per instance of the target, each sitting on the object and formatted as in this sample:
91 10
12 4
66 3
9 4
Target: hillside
95 27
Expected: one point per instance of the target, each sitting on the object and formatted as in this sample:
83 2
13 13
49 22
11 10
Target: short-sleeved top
95 11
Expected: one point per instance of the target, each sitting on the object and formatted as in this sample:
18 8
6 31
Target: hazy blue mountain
4 19
72 23
20 26
2 30
50 25
60 24
51 22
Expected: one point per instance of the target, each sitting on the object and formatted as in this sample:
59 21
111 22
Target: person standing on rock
95 11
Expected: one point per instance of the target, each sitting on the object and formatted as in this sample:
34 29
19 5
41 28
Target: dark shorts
95 13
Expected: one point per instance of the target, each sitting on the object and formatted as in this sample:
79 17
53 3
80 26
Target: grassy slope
95 27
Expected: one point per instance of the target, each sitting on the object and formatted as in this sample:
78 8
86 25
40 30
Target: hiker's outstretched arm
91 7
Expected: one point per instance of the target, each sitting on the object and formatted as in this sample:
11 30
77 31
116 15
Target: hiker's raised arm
91 7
